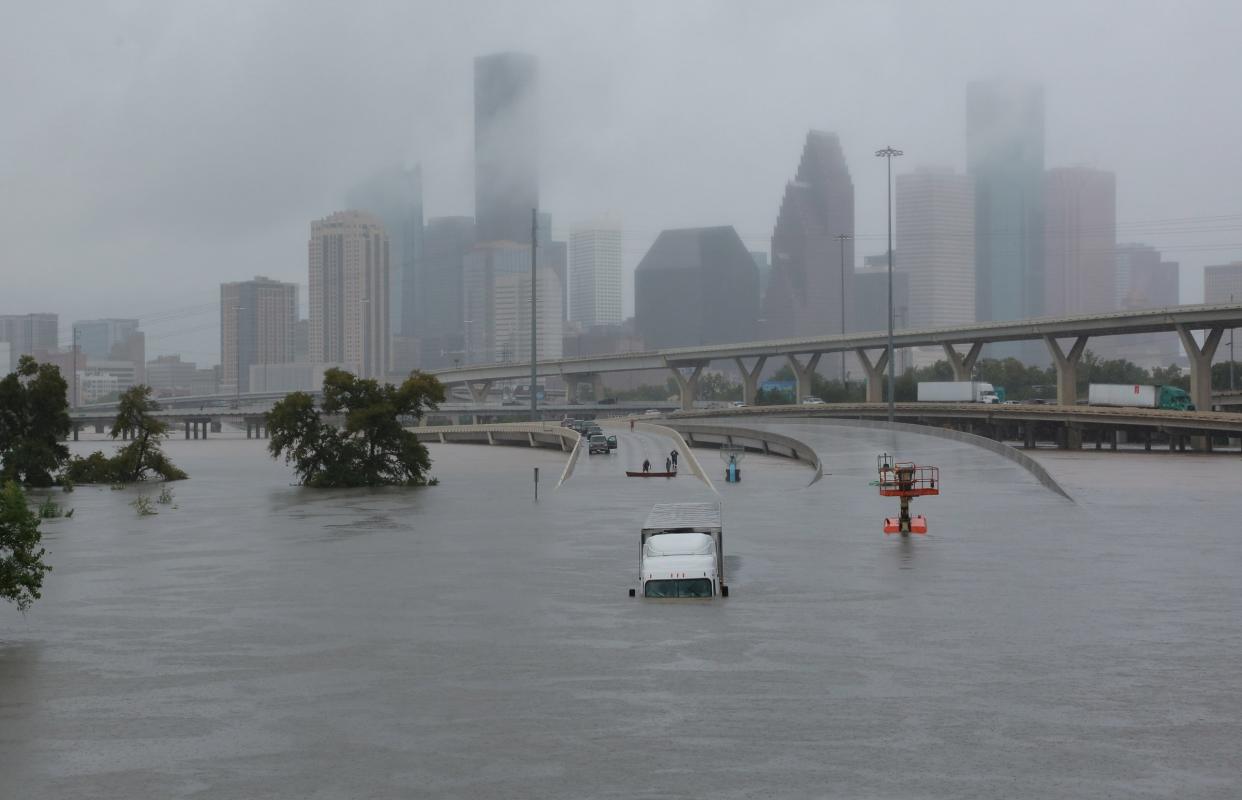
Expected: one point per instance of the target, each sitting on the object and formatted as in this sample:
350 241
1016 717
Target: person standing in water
646 465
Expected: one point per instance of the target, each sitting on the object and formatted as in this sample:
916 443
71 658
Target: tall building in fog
28 334
349 267
112 340
1005 157
555 256
496 286
1142 279
935 220
506 171
395 195
1080 241
1222 283
595 273
808 274
696 286
258 320
446 241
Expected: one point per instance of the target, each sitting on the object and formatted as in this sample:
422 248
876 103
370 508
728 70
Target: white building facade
349 293
595 273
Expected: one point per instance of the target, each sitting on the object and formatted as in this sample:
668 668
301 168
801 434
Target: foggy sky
152 150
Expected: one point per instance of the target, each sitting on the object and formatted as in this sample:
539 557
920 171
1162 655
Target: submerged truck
682 552
1137 395
958 392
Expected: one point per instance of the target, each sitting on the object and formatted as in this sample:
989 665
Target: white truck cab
682 552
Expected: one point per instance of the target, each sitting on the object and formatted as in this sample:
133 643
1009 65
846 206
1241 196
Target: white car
738 404
813 401
652 412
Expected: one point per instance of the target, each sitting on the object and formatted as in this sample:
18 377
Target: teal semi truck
1137 395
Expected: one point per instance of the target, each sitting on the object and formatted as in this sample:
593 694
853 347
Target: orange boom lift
905 480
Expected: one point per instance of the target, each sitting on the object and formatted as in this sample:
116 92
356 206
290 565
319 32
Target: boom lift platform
905 480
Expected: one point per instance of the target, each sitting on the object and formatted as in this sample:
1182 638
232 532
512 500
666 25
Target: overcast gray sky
151 150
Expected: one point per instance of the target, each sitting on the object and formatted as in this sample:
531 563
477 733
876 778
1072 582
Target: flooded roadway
262 640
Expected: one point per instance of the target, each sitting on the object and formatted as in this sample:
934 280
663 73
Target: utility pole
1231 332
534 357
888 153
75 362
843 238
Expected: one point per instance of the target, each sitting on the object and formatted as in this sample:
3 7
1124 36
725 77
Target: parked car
612 443
597 444
608 401
651 412
813 401
594 430
738 404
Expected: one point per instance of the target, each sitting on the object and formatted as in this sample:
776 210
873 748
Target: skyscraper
1080 241
496 302
28 334
96 338
1005 156
803 296
595 272
395 196
555 256
696 286
349 268
1222 283
506 173
935 220
257 326
446 241
1142 280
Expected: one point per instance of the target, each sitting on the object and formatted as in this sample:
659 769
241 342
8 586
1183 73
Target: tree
373 448
135 417
34 421
21 557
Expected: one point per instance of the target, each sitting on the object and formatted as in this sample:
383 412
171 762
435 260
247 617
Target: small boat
640 474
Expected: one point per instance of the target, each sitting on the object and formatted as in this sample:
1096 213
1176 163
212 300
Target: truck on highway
682 552
1137 395
957 392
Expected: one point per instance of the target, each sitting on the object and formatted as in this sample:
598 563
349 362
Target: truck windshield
686 587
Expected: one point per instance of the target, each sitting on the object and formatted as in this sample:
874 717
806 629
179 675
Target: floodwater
259 640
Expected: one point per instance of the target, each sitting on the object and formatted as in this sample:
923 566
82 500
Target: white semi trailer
957 392
682 552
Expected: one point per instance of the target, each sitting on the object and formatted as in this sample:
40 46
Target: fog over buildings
157 151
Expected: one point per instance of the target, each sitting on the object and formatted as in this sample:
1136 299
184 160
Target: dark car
608 401
597 444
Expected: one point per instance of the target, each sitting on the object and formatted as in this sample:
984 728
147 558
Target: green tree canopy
142 457
21 558
34 421
372 448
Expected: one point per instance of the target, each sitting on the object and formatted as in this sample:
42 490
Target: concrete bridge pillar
187 429
1067 368
875 374
1200 364
573 386
479 390
802 374
963 365
216 426
688 385
99 427
76 430
750 378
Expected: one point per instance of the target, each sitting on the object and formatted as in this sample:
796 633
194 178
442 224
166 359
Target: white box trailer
957 392
682 552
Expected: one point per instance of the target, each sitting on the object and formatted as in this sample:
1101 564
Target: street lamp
888 153
1231 332
843 238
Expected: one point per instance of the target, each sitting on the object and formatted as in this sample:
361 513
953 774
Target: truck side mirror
631 592
724 591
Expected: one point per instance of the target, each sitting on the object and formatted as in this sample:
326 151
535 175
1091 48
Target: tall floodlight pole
888 153
534 371
1231 332
75 361
843 238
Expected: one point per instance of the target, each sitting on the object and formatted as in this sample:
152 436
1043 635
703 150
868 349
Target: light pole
534 356
888 153
1231 332
843 238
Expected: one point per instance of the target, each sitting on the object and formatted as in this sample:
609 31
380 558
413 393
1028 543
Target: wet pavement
262 640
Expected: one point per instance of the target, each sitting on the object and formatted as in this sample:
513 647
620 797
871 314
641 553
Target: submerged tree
21 558
373 448
34 421
136 419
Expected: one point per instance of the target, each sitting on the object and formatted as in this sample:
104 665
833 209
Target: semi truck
682 552
958 392
1138 395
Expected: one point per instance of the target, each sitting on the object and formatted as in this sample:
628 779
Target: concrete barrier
520 434
770 443
684 448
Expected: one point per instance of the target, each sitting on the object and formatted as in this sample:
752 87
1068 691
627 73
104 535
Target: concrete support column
1028 433
597 386
187 430
76 430
875 374
963 365
750 378
205 427
688 386
1200 365
479 390
1067 368
802 374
